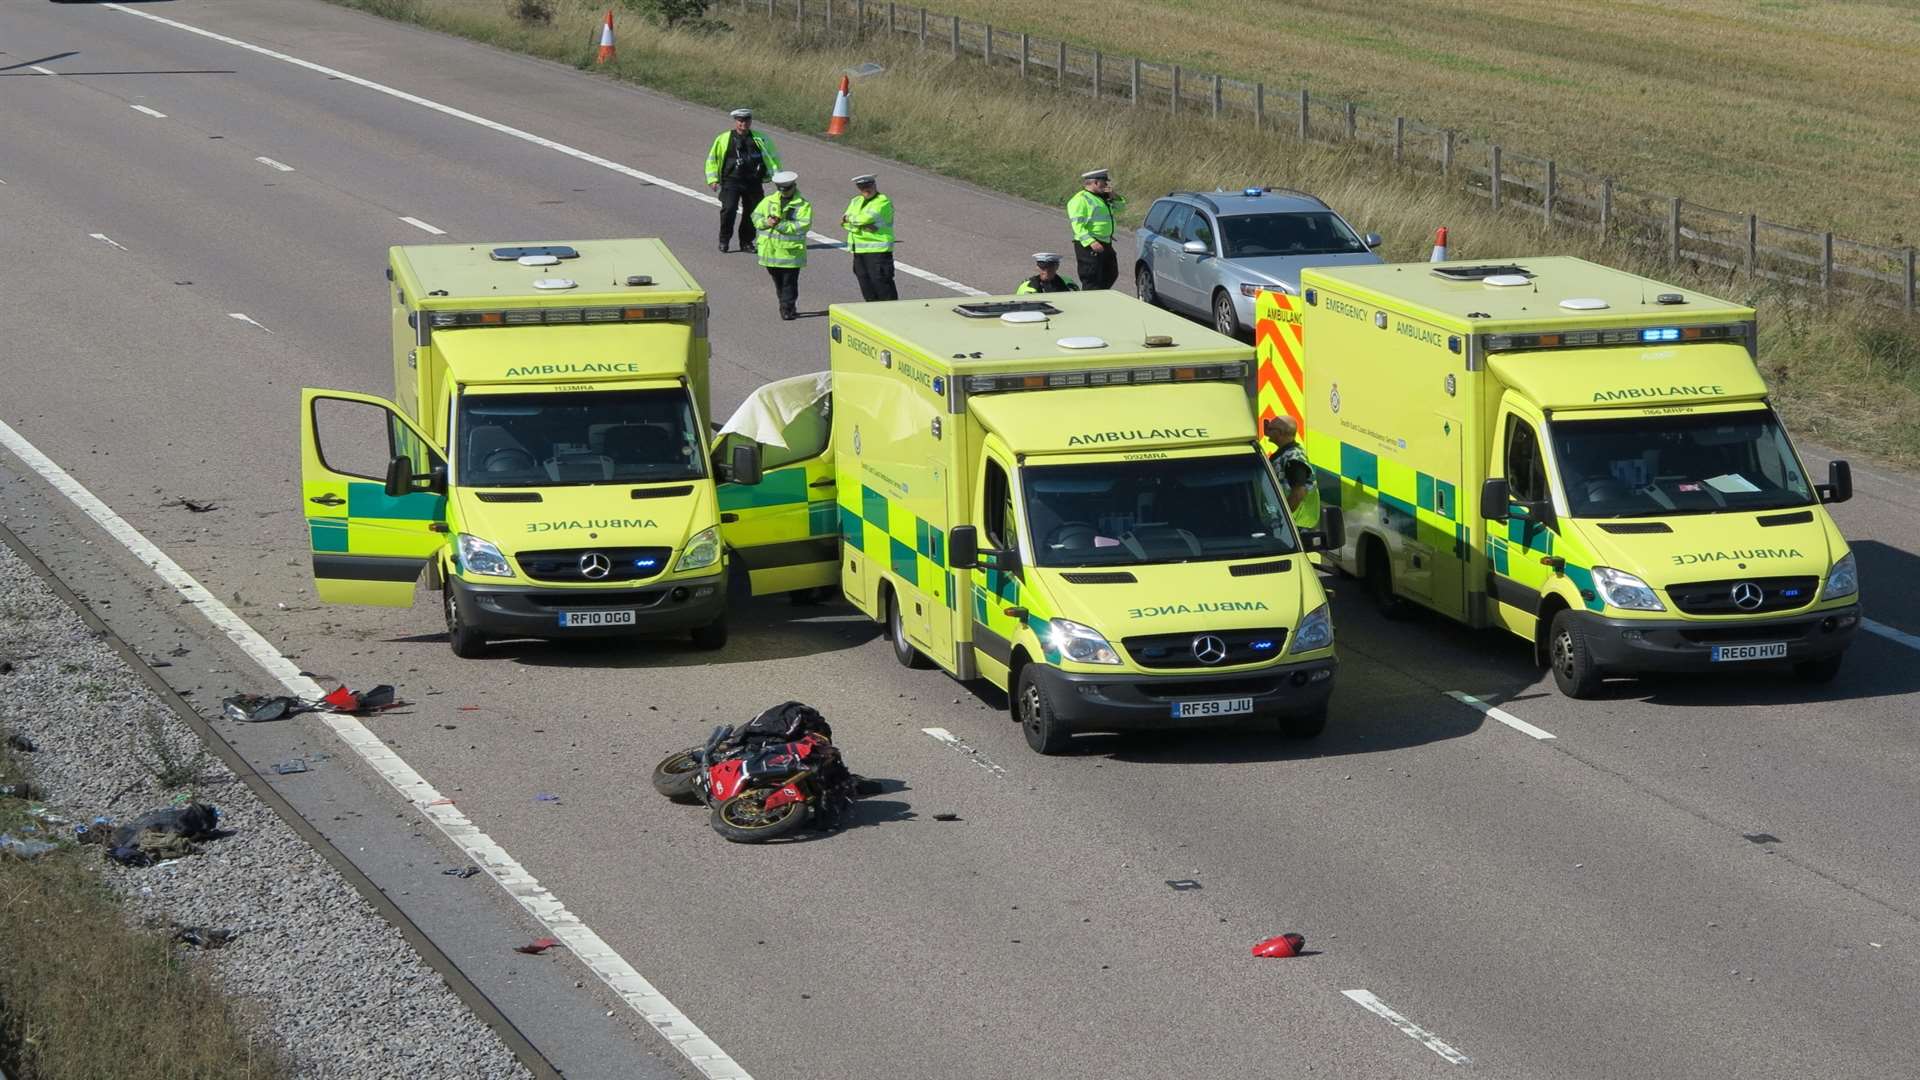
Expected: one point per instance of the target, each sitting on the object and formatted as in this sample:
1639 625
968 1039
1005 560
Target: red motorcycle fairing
787 794
725 778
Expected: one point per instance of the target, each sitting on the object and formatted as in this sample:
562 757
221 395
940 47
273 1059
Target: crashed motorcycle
765 779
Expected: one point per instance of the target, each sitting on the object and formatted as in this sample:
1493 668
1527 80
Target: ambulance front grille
1722 597
573 564
1184 650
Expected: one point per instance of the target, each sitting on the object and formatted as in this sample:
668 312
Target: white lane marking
1366 1000
272 164
423 226
953 742
525 136
609 966
156 113
105 239
242 316
43 71
1501 715
1890 633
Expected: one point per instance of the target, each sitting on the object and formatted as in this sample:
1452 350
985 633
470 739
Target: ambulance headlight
1842 580
1081 644
1622 590
1314 632
477 556
702 551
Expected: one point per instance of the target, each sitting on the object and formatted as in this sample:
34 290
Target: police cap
1045 258
786 178
1096 174
741 114
865 180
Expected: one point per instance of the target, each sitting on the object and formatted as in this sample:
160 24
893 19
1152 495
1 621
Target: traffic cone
606 40
1439 245
842 113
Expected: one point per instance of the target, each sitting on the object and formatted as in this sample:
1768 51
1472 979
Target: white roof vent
1506 281
1082 343
1584 303
553 283
1024 317
537 260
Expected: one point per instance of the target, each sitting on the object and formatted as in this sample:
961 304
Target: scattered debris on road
19 848
1183 885
201 937
192 505
946 817
537 946
163 834
1283 946
290 767
262 708
461 872
546 798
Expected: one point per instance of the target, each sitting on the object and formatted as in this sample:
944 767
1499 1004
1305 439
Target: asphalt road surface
1697 877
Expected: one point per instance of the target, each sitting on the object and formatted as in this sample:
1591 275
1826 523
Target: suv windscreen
1255 236
1127 513
604 437
1649 466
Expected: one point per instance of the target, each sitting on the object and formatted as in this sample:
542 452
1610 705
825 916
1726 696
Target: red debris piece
1284 945
342 700
537 946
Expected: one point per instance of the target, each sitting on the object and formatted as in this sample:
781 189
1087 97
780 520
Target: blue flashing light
939 384
1261 645
646 564
1254 192
1665 333
1789 592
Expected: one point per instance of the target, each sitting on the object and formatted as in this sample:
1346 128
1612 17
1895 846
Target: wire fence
1512 183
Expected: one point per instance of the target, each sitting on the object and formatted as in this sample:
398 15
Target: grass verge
86 996
1843 373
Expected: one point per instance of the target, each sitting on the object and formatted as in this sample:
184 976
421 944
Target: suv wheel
1225 320
1143 284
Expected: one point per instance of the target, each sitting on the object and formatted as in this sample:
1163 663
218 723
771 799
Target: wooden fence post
953 26
1826 260
829 18
1446 152
770 15
1353 117
1910 280
1306 126
1096 74
1606 206
1673 229
859 19
799 14
1399 138
1060 66
1546 197
893 26
1753 243
1493 174
923 29
1259 106
1216 97
1173 99
1133 87
987 49
1026 44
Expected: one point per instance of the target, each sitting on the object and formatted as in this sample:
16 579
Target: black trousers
874 271
786 286
738 198
1098 269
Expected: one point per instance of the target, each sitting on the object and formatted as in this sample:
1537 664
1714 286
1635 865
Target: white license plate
1774 650
596 618
1234 706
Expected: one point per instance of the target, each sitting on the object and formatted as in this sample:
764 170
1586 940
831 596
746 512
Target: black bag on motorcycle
787 722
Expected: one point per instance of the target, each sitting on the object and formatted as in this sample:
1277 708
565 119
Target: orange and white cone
1439 245
606 40
842 111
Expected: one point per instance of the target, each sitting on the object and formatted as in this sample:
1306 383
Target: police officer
783 219
738 162
1090 212
1295 471
869 225
1049 278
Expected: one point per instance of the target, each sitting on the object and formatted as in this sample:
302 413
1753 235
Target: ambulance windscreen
546 440
1658 466
1176 510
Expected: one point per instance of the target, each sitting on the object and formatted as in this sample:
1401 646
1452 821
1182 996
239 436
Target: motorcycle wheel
677 776
744 818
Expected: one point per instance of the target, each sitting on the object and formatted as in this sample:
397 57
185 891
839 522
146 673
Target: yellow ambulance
1581 455
544 459
1065 497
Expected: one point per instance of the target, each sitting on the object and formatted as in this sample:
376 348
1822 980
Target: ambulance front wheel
1046 733
1574 670
1305 727
468 643
711 636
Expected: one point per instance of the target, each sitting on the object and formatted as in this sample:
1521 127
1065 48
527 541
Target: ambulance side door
1516 543
994 584
786 528
373 491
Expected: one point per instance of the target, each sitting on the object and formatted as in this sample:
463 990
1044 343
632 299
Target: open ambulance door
1520 521
373 491
785 529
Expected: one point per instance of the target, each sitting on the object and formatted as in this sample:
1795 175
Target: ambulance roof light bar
551 316
1141 376
1631 335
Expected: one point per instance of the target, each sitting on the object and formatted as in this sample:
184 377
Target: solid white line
525 136
272 164
245 318
423 226
1366 1000
1501 715
1890 633
44 71
104 238
150 112
608 965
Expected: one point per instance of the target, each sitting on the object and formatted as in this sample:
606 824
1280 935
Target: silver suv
1207 253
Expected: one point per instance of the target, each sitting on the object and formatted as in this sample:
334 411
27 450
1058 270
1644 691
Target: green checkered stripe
914 548
1414 504
782 487
1000 591
368 503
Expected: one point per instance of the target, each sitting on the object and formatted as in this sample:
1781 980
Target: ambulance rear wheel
1574 671
1045 732
468 643
903 650
1143 284
1379 579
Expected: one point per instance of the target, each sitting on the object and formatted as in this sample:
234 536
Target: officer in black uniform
738 163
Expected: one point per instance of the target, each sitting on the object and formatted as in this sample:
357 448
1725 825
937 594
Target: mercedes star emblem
1209 649
594 566
1747 596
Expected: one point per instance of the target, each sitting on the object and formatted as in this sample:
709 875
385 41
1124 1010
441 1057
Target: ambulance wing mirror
1495 498
402 480
1839 485
963 547
743 465
1331 535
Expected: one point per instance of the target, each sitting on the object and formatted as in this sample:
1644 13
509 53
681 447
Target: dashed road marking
155 113
272 164
241 316
820 240
953 742
105 239
43 71
1501 715
423 226
1366 1000
1891 634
